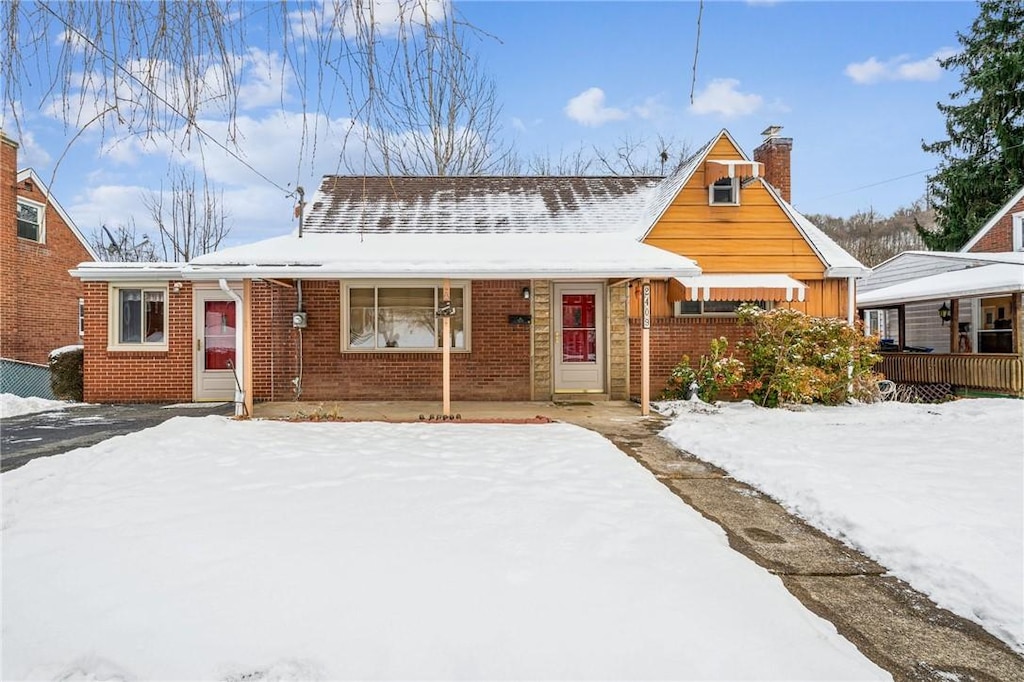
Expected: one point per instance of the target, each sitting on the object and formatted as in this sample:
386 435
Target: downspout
239 393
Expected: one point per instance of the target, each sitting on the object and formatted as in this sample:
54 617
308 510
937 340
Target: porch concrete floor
893 624
584 413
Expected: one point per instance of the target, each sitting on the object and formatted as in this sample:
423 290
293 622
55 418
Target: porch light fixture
446 309
526 293
944 313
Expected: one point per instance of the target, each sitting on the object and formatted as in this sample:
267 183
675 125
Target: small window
714 308
724 192
31 220
402 317
1018 232
138 318
81 317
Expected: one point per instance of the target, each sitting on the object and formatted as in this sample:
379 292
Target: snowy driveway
53 432
215 549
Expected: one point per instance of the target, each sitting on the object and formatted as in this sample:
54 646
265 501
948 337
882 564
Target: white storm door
579 338
216 316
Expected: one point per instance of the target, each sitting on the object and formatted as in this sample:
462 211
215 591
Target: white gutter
239 392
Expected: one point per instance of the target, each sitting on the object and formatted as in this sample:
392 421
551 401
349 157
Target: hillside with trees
872 237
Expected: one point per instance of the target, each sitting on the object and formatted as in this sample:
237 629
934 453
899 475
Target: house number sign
647 306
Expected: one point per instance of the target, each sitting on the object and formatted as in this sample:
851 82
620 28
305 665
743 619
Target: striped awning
738 287
715 170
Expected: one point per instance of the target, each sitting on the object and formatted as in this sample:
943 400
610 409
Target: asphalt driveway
45 434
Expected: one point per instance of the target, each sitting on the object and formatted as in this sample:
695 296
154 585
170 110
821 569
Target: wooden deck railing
982 371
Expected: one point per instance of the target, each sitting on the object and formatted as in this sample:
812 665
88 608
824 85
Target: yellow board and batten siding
757 236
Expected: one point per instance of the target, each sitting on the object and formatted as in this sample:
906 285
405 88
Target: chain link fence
25 379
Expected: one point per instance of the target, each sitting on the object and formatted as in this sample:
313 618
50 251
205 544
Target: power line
159 98
875 184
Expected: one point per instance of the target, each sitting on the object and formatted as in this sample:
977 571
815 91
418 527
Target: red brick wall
138 376
38 298
775 155
497 368
1000 237
671 339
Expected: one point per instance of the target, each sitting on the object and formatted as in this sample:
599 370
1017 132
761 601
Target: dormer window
724 192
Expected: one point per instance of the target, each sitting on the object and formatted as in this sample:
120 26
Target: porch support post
446 353
851 299
954 325
247 361
901 315
645 349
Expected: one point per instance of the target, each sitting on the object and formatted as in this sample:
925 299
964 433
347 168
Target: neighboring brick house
558 287
39 244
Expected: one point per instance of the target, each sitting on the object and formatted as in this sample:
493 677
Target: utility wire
874 184
696 51
158 97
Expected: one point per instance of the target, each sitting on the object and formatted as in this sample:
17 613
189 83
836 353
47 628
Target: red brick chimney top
775 153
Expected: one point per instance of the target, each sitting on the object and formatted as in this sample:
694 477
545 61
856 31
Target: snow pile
13 405
933 492
215 549
56 352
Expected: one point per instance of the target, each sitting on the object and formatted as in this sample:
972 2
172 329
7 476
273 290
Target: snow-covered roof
476 205
838 262
967 257
28 173
410 255
999 215
983 280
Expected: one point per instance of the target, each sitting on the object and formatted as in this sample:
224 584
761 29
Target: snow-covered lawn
215 549
14 406
933 492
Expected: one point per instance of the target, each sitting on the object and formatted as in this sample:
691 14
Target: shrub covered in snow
715 375
798 358
66 373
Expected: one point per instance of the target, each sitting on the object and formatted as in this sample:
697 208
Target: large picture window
402 317
31 220
138 318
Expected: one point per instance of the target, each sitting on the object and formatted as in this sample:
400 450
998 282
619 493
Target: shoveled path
895 626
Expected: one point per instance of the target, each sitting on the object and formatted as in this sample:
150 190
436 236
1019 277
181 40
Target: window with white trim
31 220
1018 231
724 192
138 318
714 308
402 316
81 317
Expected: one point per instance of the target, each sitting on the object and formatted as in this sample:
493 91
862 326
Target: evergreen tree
983 158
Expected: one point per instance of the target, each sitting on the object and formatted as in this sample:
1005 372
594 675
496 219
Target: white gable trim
28 173
684 177
1000 214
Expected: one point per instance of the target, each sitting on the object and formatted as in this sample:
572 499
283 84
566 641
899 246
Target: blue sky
855 85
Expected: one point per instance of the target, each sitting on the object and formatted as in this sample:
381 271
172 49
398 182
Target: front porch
997 373
584 413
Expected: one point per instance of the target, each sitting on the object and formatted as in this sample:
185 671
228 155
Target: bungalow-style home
40 302
962 309
474 288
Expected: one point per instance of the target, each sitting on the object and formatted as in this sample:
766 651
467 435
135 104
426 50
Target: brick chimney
774 153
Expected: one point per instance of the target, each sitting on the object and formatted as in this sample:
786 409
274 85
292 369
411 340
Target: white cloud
722 97
30 153
332 19
588 108
899 68
517 124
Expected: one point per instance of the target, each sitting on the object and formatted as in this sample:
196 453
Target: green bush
66 374
715 375
797 358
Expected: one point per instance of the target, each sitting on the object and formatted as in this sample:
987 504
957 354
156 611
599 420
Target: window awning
737 287
730 168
